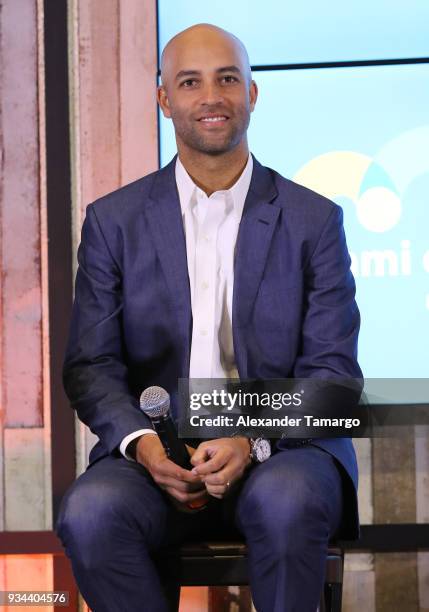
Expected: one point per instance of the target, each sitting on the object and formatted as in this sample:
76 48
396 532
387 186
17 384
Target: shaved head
202 35
207 90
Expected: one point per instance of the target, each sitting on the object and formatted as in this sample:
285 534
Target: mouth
213 119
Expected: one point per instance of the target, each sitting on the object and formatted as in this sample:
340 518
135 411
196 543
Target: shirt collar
238 192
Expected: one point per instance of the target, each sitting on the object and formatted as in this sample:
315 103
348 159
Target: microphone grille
155 402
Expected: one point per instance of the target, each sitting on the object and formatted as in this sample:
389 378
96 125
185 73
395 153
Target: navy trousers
114 518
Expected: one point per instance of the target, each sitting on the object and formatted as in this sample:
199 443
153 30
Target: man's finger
186 487
219 478
201 455
216 463
169 469
217 491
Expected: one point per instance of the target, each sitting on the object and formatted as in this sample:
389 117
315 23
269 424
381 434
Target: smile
213 119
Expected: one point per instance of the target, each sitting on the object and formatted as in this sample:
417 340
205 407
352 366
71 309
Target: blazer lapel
164 216
253 242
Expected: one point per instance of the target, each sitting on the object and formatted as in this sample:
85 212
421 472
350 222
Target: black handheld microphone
155 403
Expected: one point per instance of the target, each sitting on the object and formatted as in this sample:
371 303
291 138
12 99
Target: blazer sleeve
331 317
95 373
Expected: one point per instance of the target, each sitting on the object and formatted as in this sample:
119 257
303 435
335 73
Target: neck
214 172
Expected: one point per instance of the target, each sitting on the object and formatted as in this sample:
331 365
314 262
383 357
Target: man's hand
182 485
221 462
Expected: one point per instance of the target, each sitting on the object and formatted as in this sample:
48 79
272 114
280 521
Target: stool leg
336 597
172 594
332 597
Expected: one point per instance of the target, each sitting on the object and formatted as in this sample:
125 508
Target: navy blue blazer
294 310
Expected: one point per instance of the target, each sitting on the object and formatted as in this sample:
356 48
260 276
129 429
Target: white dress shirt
211 226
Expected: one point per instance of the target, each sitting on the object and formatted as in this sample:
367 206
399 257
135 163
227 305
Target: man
212 267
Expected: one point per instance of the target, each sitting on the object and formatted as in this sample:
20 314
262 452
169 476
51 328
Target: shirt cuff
130 438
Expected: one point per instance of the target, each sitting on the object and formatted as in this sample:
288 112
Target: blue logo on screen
385 200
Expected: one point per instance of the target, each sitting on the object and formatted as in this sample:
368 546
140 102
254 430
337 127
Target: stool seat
213 563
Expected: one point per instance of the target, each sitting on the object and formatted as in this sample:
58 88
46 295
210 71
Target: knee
286 516
86 520
87 509
95 518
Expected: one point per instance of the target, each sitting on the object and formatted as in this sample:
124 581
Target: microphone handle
176 451
174 446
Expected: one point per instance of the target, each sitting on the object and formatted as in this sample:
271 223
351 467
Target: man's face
207 93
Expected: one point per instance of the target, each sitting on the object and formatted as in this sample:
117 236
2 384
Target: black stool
225 564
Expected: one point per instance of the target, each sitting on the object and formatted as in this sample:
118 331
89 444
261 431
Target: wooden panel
46 397
24 331
2 492
26 573
193 599
20 222
422 473
30 542
396 582
95 112
24 479
359 583
363 448
2 572
395 502
98 27
394 478
422 510
85 440
113 110
138 108
74 112
359 577
423 580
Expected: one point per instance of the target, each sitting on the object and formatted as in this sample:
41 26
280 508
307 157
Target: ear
253 95
161 96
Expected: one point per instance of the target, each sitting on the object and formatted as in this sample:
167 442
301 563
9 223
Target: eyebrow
189 73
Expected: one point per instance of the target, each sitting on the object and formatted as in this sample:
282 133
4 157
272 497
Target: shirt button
205 285
204 332
207 238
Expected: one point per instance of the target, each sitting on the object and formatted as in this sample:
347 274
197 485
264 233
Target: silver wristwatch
260 449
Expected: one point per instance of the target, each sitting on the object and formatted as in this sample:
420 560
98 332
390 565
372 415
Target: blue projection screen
285 31
360 136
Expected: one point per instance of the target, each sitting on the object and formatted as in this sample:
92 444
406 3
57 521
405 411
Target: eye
188 83
229 78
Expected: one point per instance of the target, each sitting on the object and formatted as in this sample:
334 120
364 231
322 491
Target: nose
211 94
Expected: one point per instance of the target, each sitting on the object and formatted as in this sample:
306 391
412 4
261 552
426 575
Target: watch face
261 450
